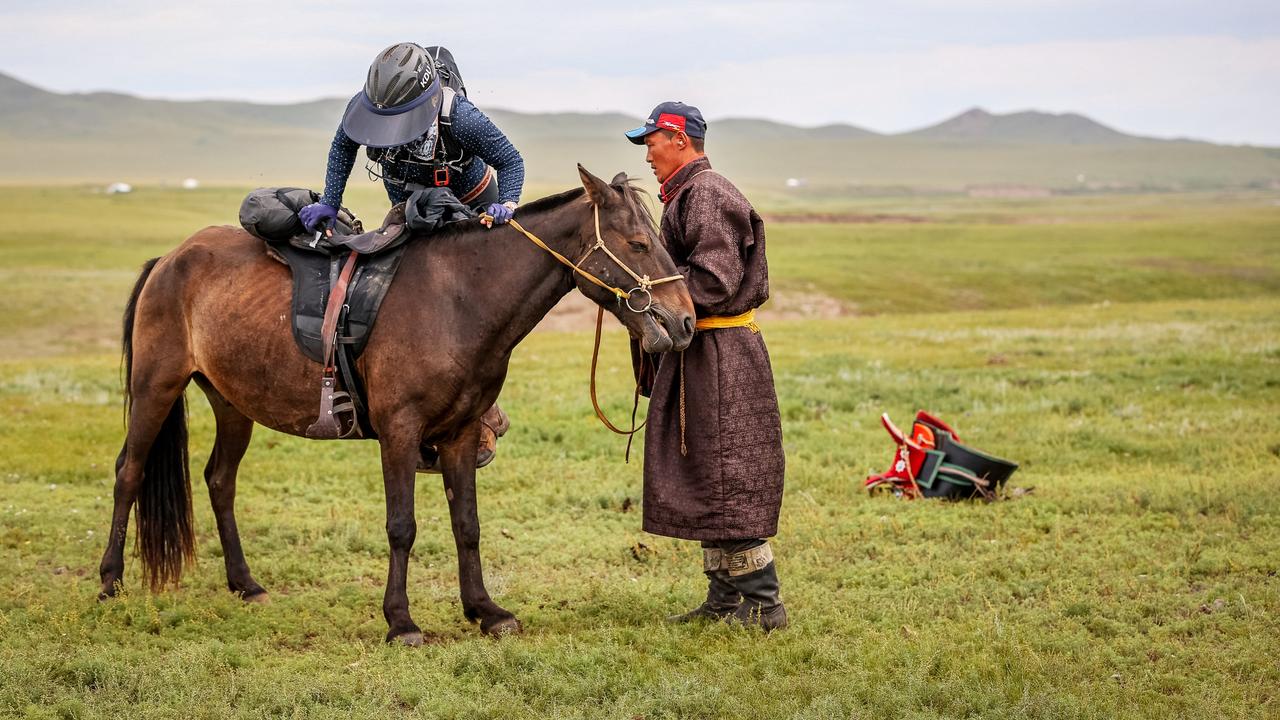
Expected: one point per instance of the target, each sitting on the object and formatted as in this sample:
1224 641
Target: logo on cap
671 121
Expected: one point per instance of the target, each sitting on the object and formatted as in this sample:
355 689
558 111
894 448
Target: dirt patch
796 305
845 218
576 312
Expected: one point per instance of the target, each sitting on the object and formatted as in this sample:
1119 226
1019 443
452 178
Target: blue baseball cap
671 116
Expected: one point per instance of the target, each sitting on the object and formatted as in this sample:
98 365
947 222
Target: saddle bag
272 214
933 462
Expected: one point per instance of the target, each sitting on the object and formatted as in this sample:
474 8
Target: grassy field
1126 350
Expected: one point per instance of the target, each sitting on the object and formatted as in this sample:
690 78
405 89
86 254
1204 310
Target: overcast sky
1191 68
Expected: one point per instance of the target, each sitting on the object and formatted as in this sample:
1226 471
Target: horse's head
625 253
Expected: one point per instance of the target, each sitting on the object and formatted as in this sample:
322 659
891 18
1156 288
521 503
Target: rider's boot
493 425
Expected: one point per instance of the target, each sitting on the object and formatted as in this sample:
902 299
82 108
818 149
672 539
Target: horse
215 310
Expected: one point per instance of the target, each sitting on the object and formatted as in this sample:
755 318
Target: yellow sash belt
716 322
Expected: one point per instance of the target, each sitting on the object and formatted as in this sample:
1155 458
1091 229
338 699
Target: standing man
713 461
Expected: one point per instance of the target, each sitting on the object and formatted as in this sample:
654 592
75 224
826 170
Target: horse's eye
638 246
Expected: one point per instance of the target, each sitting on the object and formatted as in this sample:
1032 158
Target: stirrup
334 404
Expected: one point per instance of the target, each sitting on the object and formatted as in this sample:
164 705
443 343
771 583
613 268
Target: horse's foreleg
458 461
399 462
234 431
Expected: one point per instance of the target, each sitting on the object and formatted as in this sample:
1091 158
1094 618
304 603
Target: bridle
643 285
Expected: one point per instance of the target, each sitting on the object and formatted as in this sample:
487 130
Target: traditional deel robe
728 484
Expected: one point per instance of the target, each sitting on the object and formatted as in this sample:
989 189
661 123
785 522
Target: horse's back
221 246
232 303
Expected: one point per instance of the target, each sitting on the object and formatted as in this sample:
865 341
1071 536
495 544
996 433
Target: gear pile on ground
933 462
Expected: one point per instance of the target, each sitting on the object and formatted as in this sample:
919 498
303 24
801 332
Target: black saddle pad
311 285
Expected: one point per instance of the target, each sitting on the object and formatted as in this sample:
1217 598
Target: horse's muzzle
678 327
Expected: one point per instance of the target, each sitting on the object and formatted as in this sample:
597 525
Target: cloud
1198 69
1219 88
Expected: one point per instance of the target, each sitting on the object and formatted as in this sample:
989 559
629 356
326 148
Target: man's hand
317 215
500 214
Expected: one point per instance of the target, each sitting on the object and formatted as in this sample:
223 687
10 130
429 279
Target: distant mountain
978 125
101 137
739 128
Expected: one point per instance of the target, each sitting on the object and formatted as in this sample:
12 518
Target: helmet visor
377 127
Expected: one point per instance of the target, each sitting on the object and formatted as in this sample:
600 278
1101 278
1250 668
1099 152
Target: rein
643 285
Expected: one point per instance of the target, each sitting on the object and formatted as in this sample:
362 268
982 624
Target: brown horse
216 310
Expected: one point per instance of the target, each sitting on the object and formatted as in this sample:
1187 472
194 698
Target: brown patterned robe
729 485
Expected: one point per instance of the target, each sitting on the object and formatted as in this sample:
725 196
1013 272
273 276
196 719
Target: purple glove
317 215
501 213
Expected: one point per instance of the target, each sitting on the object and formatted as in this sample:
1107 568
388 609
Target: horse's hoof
411 639
261 598
502 627
109 591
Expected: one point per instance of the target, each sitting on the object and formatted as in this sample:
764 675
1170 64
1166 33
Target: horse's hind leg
458 461
151 409
234 431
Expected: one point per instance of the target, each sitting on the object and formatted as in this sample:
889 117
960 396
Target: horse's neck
526 282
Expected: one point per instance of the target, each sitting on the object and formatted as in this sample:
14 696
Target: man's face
666 152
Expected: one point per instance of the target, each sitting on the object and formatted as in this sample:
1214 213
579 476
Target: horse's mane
638 198
634 196
466 227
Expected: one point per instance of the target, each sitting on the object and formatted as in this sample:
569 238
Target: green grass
975 256
1138 579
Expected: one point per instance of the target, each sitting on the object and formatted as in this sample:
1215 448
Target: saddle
340 277
339 282
933 462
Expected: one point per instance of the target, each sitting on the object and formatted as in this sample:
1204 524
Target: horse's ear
619 179
597 191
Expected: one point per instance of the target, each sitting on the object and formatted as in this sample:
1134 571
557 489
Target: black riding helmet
400 100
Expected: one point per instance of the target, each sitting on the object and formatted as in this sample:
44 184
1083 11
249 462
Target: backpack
448 152
447 69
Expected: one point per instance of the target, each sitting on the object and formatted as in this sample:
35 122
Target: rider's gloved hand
317 215
501 213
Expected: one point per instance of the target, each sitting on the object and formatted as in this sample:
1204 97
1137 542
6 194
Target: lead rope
595 403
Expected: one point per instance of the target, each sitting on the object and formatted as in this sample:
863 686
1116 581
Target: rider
416 140
420 133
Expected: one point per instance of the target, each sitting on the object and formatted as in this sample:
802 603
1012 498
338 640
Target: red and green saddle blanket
933 462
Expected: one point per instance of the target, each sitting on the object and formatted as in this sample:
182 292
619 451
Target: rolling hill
48 137
978 125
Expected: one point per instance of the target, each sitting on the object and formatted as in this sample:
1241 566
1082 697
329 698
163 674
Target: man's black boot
755 575
722 597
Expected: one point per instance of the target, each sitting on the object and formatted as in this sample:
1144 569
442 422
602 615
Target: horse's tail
166 538
130 312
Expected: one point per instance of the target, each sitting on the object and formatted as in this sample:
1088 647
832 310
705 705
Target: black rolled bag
272 214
